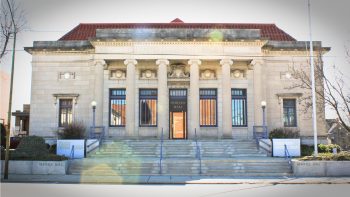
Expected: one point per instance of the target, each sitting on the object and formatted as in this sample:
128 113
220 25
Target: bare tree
333 92
9 9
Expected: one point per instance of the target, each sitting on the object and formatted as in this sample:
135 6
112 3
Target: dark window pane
148 107
289 113
65 111
207 107
117 107
239 107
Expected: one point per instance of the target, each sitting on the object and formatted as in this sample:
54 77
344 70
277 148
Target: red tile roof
84 31
177 20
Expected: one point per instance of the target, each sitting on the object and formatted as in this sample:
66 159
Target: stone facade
86 70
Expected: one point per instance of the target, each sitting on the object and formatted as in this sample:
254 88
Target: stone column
258 91
130 97
99 68
226 98
163 97
194 97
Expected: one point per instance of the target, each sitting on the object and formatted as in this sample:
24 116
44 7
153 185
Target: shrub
14 142
34 148
284 133
342 156
3 135
48 157
327 148
30 146
307 150
53 149
76 130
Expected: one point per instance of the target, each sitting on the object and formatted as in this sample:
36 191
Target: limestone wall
263 75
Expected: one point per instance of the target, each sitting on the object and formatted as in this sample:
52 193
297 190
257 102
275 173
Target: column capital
255 62
162 62
226 61
130 61
99 62
194 62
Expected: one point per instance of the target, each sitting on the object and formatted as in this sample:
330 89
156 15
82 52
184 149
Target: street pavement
183 190
164 179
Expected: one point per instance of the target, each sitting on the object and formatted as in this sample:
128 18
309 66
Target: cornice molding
63 52
267 52
149 43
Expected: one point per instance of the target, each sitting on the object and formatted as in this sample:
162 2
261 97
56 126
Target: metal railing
161 153
262 134
287 156
95 135
198 151
71 156
269 146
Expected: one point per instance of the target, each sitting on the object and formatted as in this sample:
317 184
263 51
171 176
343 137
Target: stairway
218 158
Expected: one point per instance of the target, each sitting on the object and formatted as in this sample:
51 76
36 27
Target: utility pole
314 117
10 100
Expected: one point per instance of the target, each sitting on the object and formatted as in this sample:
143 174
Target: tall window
289 113
117 107
239 107
207 107
148 107
65 111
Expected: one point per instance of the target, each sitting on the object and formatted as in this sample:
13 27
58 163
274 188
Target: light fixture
263 103
93 103
288 75
66 75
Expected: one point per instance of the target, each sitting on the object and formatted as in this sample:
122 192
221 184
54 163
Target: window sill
148 126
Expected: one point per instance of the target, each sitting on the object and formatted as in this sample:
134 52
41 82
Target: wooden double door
178 113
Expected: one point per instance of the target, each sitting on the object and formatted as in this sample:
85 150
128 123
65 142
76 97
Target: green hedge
327 148
34 148
342 156
307 150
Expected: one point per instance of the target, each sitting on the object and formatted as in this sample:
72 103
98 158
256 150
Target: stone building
22 121
180 77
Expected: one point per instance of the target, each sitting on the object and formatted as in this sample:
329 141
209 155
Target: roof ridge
84 31
178 23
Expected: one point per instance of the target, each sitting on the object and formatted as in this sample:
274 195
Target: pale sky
50 19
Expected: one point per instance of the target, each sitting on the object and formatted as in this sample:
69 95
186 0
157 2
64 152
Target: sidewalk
166 179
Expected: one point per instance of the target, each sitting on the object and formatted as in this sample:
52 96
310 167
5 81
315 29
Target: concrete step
219 157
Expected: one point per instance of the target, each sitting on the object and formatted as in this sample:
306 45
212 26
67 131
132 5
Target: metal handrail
92 135
259 135
161 153
268 150
71 155
287 156
198 151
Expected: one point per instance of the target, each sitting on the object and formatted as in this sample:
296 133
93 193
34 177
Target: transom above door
178 113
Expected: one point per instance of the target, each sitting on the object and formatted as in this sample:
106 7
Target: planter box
64 147
321 168
293 146
35 167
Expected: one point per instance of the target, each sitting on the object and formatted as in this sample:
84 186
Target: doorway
178 113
